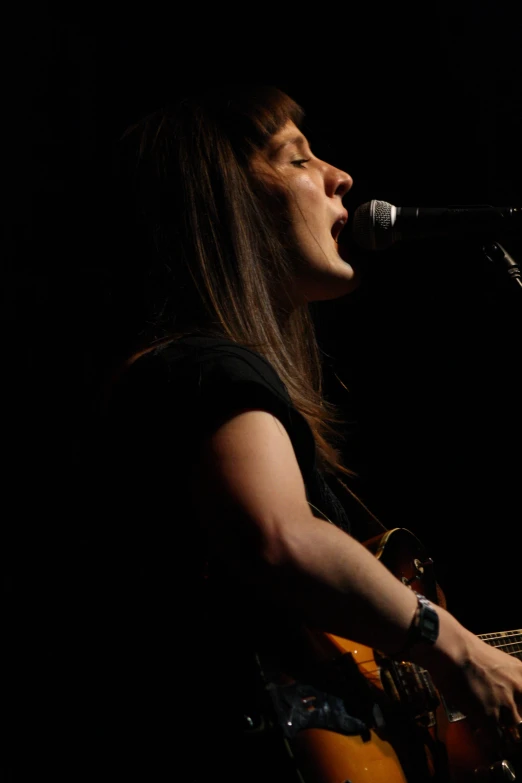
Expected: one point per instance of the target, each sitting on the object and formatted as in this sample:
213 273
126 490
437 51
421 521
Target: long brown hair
219 255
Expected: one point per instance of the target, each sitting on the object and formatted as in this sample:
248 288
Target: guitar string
488 638
515 643
507 644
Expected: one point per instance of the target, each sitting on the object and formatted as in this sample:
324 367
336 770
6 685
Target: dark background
425 112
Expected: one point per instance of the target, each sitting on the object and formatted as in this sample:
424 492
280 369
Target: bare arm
252 499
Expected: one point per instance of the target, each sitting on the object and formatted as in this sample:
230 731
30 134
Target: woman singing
228 526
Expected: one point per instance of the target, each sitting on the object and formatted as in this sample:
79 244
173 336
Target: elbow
266 546
280 542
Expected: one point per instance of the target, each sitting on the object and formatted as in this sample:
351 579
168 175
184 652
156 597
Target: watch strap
424 628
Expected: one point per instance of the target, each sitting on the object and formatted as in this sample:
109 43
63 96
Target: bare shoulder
248 473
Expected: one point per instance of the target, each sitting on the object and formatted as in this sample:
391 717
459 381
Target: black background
426 112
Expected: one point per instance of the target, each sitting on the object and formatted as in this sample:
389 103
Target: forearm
334 583
339 586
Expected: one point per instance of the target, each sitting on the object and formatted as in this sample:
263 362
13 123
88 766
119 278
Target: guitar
368 719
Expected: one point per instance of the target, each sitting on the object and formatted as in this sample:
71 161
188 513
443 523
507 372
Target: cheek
307 198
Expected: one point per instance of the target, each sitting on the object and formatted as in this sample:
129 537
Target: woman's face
314 191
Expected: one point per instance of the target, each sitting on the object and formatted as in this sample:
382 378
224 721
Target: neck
509 641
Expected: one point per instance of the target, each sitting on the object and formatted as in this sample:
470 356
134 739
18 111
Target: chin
331 287
343 253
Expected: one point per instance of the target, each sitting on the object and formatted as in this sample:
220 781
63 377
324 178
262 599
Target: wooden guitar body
413 735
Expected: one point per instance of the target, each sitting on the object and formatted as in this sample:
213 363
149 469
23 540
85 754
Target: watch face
427 621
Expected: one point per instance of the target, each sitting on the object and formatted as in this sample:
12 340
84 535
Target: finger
511 716
488 722
510 724
487 731
513 733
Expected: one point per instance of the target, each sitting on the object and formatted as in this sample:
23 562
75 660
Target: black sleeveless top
173 666
171 398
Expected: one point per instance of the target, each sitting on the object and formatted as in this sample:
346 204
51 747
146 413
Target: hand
487 685
483 682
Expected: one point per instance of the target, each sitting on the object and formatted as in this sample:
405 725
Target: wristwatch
424 627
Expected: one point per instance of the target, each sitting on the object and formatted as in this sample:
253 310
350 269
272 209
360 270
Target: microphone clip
499 256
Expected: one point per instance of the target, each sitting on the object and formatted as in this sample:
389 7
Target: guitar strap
367 526
364 522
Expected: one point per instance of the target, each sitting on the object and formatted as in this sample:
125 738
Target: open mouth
337 228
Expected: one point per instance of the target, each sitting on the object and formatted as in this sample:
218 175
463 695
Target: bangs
270 112
250 114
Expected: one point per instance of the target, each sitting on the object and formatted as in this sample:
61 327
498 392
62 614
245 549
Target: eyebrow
300 139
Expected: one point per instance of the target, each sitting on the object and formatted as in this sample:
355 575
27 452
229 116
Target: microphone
376 224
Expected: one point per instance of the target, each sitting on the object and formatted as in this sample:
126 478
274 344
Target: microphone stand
498 255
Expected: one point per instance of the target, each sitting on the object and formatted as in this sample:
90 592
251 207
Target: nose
338 182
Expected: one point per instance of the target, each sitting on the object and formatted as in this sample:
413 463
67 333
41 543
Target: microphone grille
372 225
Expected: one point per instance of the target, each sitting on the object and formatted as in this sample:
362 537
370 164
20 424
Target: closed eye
299 163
